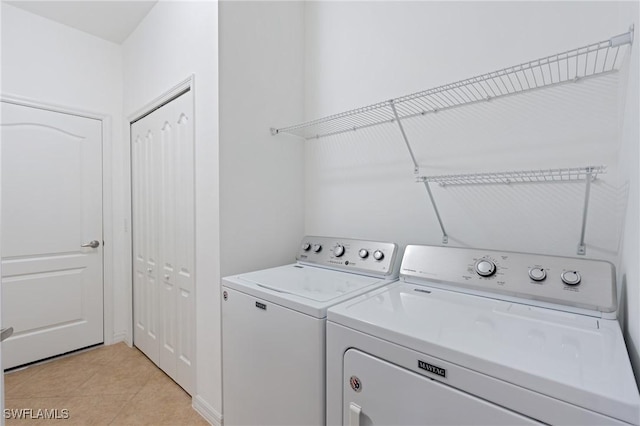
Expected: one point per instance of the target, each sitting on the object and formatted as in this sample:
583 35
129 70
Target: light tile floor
109 385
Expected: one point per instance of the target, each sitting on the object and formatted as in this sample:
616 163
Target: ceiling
109 20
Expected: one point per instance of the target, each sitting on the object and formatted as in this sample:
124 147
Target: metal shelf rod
445 237
404 136
582 249
416 169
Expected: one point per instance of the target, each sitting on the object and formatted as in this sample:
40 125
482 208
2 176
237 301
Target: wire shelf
594 60
525 176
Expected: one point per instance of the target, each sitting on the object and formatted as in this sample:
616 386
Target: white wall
361 184
629 264
261 176
175 40
51 63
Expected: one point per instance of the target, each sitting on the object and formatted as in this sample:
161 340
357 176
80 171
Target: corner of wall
629 256
207 411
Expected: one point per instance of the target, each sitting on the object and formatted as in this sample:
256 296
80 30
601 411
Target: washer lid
575 358
307 289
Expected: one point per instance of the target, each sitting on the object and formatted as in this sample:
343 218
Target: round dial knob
485 267
317 248
378 255
537 274
306 247
571 277
363 253
338 250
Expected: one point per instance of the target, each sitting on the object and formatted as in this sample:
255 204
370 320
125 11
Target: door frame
188 84
107 202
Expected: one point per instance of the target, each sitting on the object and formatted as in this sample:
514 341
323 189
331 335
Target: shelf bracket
582 249
416 170
445 237
404 137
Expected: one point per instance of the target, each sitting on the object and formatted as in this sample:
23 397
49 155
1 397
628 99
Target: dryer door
377 392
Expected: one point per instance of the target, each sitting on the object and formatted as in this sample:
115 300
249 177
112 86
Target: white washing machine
482 337
274 323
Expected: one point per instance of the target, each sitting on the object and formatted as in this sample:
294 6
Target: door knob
92 244
5 333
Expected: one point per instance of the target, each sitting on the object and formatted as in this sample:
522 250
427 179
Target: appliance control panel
561 281
361 256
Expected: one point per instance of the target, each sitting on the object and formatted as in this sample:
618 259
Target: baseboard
206 411
119 337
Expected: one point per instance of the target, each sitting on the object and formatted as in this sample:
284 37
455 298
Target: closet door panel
185 365
168 323
185 250
165 235
144 248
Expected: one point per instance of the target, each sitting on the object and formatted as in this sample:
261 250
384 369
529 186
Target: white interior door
162 155
52 278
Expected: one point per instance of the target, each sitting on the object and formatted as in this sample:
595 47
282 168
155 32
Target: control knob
571 277
537 274
363 253
378 255
338 250
317 248
306 247
485 267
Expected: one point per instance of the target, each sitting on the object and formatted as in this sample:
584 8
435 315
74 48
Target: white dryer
482 337
274 323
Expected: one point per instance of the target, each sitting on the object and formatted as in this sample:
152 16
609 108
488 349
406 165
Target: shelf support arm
582 249
404 136
445 237
416 169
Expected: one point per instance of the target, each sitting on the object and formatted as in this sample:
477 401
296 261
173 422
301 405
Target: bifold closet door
162 160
